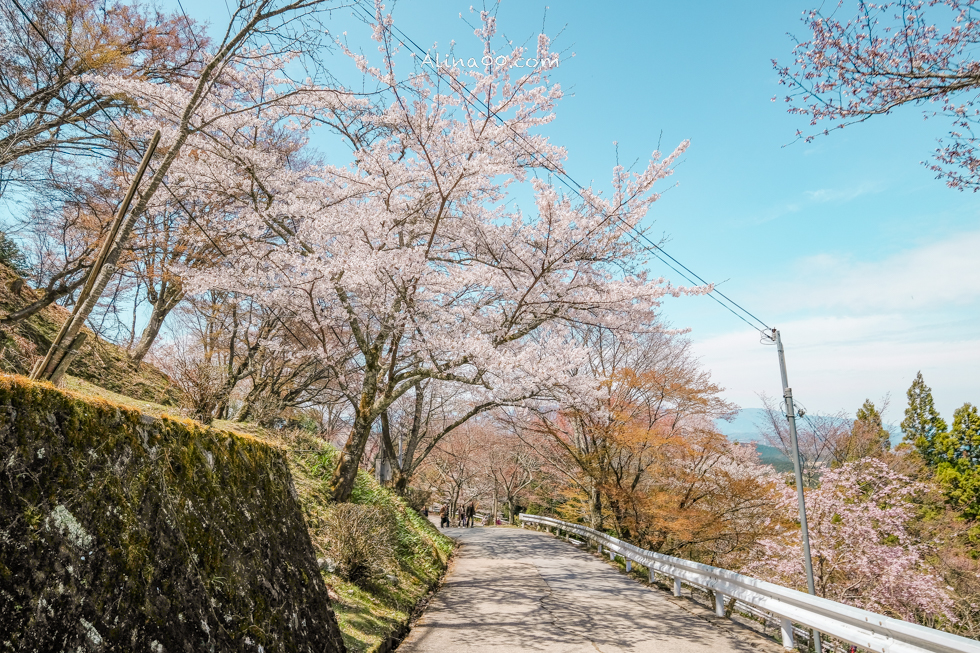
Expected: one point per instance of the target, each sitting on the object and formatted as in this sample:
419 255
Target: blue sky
867 264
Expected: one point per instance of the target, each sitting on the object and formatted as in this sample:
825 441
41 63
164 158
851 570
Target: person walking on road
444 516
470 514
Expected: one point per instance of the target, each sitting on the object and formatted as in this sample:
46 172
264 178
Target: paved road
521 590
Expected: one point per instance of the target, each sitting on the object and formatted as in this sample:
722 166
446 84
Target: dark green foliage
11 256
120 532
922 423
953 454
958 469
868 424
774 457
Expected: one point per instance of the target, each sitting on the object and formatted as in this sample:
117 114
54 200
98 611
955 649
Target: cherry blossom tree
415 423
49 121
823 440
864 551
888 55
512 466
234 83
412 261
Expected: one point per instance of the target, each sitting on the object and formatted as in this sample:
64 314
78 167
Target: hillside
99 362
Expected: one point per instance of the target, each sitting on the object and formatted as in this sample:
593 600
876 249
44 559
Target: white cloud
819 196
842 194
835 363
860 329
939 275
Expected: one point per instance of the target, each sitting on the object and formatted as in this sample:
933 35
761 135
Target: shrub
361 540
202 384
417 498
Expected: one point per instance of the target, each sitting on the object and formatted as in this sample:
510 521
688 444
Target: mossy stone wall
120 532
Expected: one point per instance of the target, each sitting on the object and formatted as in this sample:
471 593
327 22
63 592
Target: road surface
521 590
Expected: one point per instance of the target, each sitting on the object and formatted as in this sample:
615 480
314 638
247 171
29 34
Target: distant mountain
773 456
745 427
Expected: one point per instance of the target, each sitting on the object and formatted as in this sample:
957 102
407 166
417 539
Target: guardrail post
629 565
837 620
787 629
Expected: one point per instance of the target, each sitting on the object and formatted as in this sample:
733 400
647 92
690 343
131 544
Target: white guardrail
867 630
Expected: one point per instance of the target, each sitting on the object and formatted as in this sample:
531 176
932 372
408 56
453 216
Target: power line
112 121
630 230
577 188
187 22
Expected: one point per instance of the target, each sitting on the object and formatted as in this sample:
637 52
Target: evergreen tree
922 424
868 427
10 254
958 453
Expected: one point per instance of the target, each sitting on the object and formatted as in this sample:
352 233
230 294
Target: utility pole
68 341
797 469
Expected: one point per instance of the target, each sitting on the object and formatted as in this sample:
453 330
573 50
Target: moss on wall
120 532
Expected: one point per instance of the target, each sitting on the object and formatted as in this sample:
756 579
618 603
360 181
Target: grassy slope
99 362
367 614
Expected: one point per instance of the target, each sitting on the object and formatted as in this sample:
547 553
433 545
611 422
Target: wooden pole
62 343
73 350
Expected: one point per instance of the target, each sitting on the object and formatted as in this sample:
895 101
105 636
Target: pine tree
868 427
922 423
964 437
957 452
10 254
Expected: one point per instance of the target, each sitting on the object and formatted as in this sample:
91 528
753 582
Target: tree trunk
167 300
401 481
595 507
342 483
406 467
619 518
50 297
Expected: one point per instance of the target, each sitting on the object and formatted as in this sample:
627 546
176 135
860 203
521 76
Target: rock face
120 532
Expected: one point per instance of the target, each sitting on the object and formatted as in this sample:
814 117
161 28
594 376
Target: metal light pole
795 444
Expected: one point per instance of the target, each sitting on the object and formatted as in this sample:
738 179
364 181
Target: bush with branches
362 541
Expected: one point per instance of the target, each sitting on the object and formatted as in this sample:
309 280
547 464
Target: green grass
99 362
370 612
367 614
